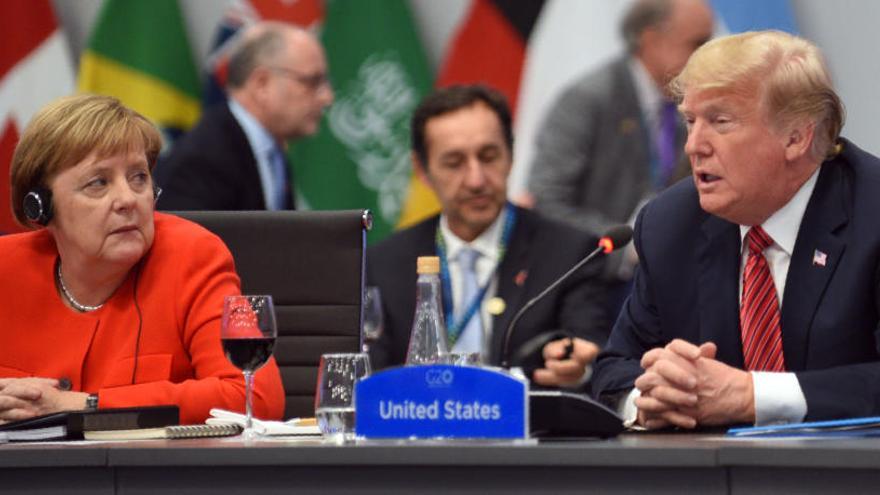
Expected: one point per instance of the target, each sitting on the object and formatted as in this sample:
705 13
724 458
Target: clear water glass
334 394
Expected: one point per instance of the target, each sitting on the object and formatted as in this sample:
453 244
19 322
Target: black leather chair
312 264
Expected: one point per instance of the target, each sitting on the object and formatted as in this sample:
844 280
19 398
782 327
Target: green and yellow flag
360 157
139 53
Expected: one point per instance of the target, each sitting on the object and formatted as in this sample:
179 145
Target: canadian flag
35 68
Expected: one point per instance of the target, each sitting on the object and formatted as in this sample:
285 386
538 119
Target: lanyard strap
455 327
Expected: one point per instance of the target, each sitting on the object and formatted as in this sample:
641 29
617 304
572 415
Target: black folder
70 425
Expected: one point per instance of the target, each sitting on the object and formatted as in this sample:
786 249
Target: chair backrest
312 264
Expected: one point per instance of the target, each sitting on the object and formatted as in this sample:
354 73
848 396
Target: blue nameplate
441 401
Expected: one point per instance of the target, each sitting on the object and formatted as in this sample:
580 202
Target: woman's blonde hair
69 129
787 71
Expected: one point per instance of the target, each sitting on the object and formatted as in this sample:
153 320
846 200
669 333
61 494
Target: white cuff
778 398
627 409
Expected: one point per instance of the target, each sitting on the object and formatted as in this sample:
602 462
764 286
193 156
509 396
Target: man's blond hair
787 71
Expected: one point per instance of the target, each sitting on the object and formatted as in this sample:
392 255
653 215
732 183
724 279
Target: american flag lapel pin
819 258
520 278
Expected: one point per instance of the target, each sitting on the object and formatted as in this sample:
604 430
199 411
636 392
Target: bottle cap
428 264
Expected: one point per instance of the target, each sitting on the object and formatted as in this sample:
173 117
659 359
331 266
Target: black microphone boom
614 238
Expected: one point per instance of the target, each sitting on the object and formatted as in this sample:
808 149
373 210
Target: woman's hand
23 398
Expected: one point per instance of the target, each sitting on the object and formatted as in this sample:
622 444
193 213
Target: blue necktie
471 337
666 151
279 179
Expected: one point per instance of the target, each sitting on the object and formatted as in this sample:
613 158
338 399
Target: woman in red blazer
107 303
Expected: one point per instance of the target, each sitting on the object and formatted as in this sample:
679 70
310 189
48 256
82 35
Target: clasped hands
685 386
23 398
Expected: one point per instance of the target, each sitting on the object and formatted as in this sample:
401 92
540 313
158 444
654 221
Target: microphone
615 237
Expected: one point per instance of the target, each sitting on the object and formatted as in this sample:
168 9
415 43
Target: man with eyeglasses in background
234 158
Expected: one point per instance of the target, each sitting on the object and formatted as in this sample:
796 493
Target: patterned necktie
759 312
471 337
279 179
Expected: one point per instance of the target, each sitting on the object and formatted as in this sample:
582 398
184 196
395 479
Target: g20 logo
439 377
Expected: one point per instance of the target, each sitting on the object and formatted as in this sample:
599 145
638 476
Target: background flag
489 46
360 157
35 68
139 53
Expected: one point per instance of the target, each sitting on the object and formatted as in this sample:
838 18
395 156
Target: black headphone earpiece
37 205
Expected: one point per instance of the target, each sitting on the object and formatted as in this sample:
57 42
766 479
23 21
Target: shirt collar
486 243
649 96
259 138
783 225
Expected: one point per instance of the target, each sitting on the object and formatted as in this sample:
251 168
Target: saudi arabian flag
361 156
139 53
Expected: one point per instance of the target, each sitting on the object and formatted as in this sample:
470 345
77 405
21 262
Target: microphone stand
505 349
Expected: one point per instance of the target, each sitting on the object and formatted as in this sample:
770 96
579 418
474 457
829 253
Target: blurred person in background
496 256
235 157
614 138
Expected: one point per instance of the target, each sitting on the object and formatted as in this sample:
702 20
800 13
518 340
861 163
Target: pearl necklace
83 308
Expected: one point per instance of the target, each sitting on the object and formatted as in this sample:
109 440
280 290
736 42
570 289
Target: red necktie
759 312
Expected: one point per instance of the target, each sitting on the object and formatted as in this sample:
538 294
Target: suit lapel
817 252
512 279
718 288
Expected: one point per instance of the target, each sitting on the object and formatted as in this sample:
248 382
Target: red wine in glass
247 333
249 354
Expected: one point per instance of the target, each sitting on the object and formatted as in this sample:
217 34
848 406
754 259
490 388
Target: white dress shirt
487 245
262 146
778 396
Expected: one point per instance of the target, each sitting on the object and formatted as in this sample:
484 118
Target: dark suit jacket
212 167
540 248
687 286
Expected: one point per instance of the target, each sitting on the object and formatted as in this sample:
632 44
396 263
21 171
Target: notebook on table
167 432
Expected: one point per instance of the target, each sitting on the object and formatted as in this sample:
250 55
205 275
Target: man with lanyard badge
494 256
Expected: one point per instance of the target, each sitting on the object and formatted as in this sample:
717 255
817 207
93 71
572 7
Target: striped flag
139 53
35 68
488 47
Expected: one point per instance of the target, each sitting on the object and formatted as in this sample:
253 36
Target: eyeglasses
311 81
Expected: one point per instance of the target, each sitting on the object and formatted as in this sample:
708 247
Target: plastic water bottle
427 341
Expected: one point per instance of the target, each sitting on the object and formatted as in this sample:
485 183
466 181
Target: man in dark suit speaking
496 256
756 300
234 159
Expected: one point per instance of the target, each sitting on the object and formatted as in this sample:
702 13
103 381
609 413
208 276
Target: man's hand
560 370
684 385
725 394
668 386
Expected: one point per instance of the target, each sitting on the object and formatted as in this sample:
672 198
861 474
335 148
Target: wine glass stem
248 398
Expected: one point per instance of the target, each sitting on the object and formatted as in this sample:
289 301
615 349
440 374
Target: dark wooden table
655 463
